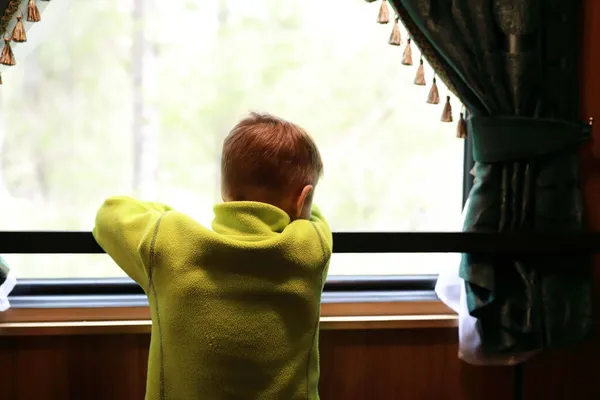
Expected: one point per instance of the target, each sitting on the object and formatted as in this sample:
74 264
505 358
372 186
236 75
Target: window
136 97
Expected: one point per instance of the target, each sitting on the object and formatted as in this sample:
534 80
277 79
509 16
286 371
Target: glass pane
101 108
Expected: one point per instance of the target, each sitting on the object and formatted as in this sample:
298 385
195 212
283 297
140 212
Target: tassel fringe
18 34
7 57
447 113
434 94
395 37
461 127
384 13
407 55
383 17
420 76
33 14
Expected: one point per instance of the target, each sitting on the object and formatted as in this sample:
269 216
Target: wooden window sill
122 320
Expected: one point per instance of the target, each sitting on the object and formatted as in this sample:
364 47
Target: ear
302 201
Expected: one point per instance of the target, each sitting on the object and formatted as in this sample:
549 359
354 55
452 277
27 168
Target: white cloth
5 288
451 290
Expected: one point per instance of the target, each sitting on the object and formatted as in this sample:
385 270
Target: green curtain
515 66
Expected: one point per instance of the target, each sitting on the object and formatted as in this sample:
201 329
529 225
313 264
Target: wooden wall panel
375 365
404 364
73 367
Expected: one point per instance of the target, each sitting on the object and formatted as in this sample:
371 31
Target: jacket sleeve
125 228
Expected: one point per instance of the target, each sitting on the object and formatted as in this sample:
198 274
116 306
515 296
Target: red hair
266 152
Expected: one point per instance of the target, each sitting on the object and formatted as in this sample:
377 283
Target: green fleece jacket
235 309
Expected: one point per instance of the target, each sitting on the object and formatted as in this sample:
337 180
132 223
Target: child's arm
124 229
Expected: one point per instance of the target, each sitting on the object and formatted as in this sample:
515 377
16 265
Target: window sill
144 326
349 315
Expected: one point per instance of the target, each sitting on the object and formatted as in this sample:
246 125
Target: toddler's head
270 160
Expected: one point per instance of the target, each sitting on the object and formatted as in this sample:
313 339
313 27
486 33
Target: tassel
434 95
420 77
407 56
384 13
461 127
395 37
18 34
7 57
33 14
447 113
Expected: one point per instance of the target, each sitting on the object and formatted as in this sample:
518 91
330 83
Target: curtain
515 66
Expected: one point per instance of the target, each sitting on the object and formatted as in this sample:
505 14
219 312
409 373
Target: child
235 309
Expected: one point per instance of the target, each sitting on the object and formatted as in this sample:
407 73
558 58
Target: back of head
268 159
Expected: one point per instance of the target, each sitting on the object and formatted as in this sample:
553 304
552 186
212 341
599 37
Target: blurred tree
145 127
